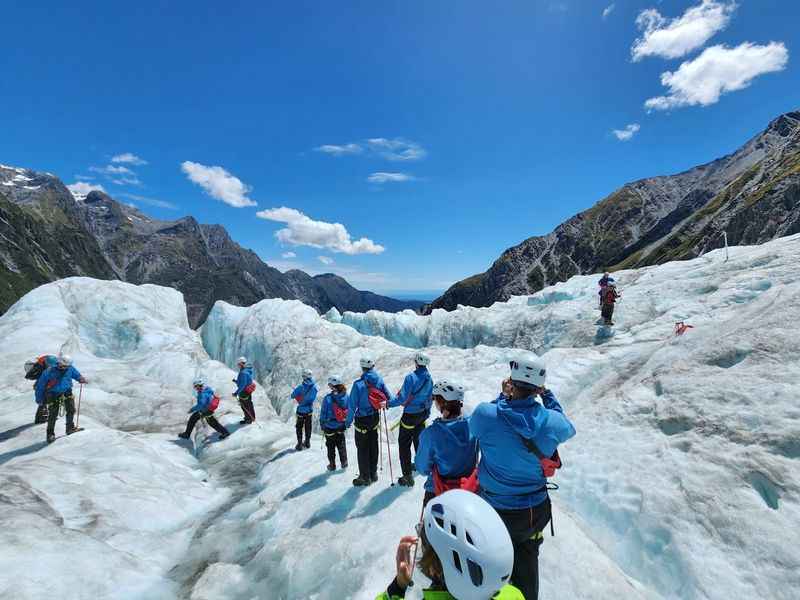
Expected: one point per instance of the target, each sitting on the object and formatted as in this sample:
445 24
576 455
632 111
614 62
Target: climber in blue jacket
367 419
415 398
518 438
446 445
304 394
206 402
55 387
334 419
245 386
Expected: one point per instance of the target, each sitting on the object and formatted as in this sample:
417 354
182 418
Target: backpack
376 396
33 370
339 413
609 295
549 465
250 388
468 483
214 404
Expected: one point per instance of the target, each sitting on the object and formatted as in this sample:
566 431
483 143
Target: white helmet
451 392
528 370
241 360
471 542
307 374
367 363
422 359
64 360
198 383
334 380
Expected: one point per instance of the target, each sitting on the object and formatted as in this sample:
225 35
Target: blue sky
437 134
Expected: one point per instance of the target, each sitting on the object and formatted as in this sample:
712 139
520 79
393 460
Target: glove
190 411
233 394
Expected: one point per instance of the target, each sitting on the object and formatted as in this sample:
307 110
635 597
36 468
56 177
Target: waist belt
366 430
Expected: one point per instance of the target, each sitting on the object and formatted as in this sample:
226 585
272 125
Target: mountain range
752 195
49 233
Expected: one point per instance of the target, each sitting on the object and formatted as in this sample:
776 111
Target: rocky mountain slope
48 234
752 194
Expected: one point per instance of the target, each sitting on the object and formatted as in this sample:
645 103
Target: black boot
183 435
406 480
331 467
51 437
361 481
344 465
299 446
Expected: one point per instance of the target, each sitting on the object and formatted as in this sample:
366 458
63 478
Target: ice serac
685 469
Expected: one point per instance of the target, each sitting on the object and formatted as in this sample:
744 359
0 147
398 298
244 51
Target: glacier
682 482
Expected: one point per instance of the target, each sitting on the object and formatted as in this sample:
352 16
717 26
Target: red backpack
250 388
549 464
468 483
376 396
214 404
339 413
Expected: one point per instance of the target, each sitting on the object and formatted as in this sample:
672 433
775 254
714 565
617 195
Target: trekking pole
420 527
388 449
78 417
380 445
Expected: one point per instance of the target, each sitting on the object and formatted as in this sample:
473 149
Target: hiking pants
246 402
607 312
367 445
303 424
410 428
209 417
525 527
41 413
334 439
54 404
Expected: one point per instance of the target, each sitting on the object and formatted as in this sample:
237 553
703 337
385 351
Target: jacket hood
456 432
371 377
523 416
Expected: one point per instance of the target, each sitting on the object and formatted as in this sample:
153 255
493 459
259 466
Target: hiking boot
307 444
245 422
344 466
51 437
361 482
73 429
225 435
183 435
374 477
331 467
406 480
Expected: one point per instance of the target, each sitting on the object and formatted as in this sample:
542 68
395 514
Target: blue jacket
49 361
327 418
204 397
244 379
359 394
510 476
416 390
308 391
62 382
448 446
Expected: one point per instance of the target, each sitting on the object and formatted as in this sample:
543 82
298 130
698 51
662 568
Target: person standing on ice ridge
55 386
608 299
447 452
415 398
466 552
366 396
304 394
604 281
245 386
34 370
515 437
207 403
334 419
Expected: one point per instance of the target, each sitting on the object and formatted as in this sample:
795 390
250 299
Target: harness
412 394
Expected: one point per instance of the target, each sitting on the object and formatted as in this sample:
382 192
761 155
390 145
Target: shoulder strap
412 394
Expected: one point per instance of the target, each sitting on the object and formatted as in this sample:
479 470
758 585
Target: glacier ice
683 480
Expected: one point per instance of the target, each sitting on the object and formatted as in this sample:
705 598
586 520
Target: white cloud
84 177
81 189
150 201
219 184
718 70
625 135
111 170
304 231
325 260
397 149
289 255
381 177
608 10
128 158
134 180
673 38
339 150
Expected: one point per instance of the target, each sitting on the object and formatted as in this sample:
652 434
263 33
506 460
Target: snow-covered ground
683 479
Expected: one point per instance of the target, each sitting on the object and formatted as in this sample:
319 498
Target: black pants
246 402
525 527
41 413
303 423
367 445
607 312
209 416
334 439
53 404
410 428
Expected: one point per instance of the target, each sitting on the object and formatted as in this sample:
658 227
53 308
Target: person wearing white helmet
367 395
334 419
447 452
245 386
55 386
415 398
519 438
207 402
304 394
608 299
34 369
466 552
